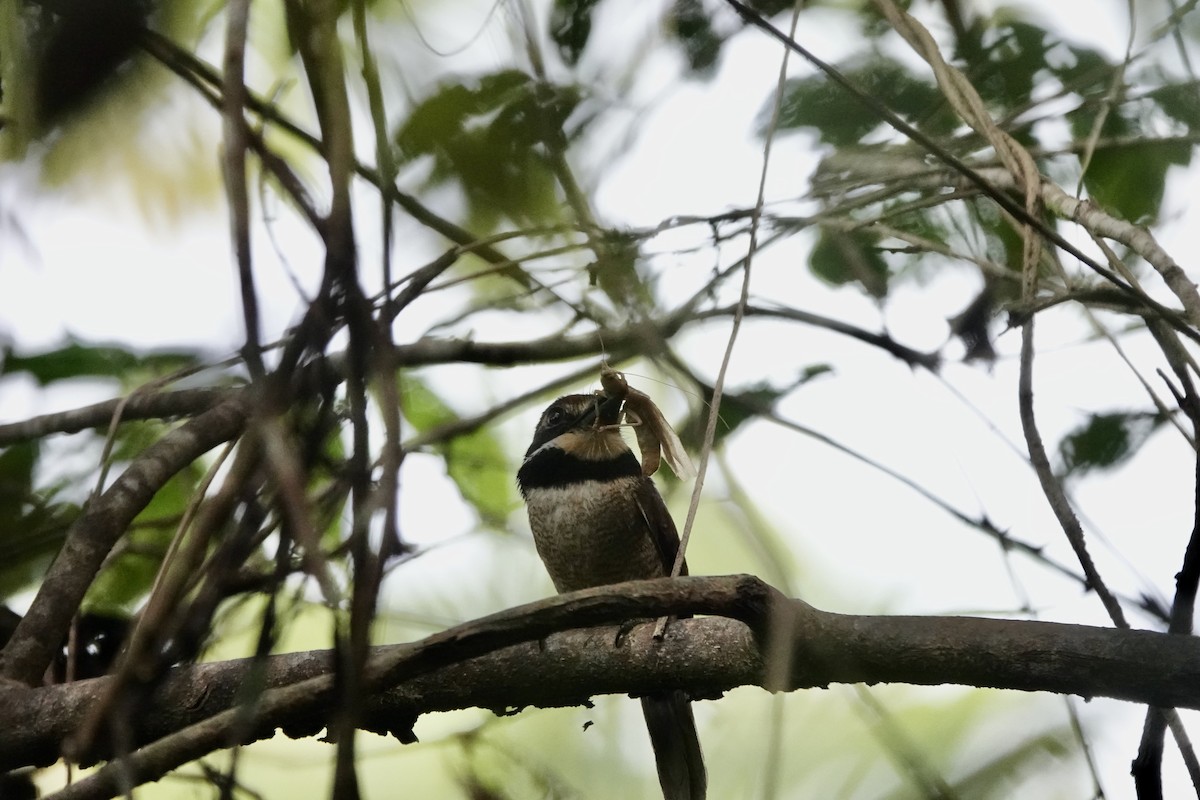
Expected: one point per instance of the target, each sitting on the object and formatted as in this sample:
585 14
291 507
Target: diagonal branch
139 405
94 534
1051 487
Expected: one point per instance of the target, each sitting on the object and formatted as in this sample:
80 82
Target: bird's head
581 425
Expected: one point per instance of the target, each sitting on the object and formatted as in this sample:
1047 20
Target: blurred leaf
841 258
80 360
917 223
1128 179
17 84
692 26
1105 441
1181 102
34 525
1131 179
814 102
330 490
82 48
840 119
16 475
570 27
810 372
1003 62
1085 71
127 578
1004 245
912 260
616 271
474 461
740 407
994 777
488 136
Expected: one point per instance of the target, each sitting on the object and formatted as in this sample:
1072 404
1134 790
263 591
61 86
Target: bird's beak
604 412
608 411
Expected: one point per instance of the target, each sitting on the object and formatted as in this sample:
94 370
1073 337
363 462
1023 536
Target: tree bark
564 650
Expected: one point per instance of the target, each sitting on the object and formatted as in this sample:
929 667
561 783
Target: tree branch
94 534
139 405
498 663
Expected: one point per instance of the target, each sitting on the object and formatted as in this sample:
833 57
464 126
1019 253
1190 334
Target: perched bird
596 519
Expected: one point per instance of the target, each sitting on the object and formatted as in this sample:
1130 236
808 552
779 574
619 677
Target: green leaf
1085 71
329 488
1131 179
16 475
1181 102
841 119
18 78
490 136
474 461
1105 441
1004 244
80 360
769 8
841 258
127 578
616 271
1003 62
994 777
444 115
34 525
740 407
913 259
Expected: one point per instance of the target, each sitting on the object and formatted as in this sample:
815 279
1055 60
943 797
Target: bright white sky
85 264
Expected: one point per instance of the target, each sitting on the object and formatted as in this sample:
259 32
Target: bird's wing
659 524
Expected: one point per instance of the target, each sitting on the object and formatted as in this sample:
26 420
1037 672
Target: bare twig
1051 195
1147 766
739 312
157 405
1052 489
236 143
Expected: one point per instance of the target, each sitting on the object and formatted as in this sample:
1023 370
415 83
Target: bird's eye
555 416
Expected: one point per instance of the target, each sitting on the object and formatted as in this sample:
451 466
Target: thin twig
714 410
1051 487
236 190
1174 276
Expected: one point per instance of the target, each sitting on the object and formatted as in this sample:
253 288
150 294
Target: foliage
997 174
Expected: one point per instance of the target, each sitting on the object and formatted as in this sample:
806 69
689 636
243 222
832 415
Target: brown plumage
596 519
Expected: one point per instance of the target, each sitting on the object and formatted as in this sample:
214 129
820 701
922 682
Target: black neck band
554 467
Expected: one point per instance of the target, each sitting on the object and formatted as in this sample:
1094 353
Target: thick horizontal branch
514 659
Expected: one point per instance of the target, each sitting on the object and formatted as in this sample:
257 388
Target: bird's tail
676 746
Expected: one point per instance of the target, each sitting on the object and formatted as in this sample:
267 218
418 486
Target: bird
597 519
